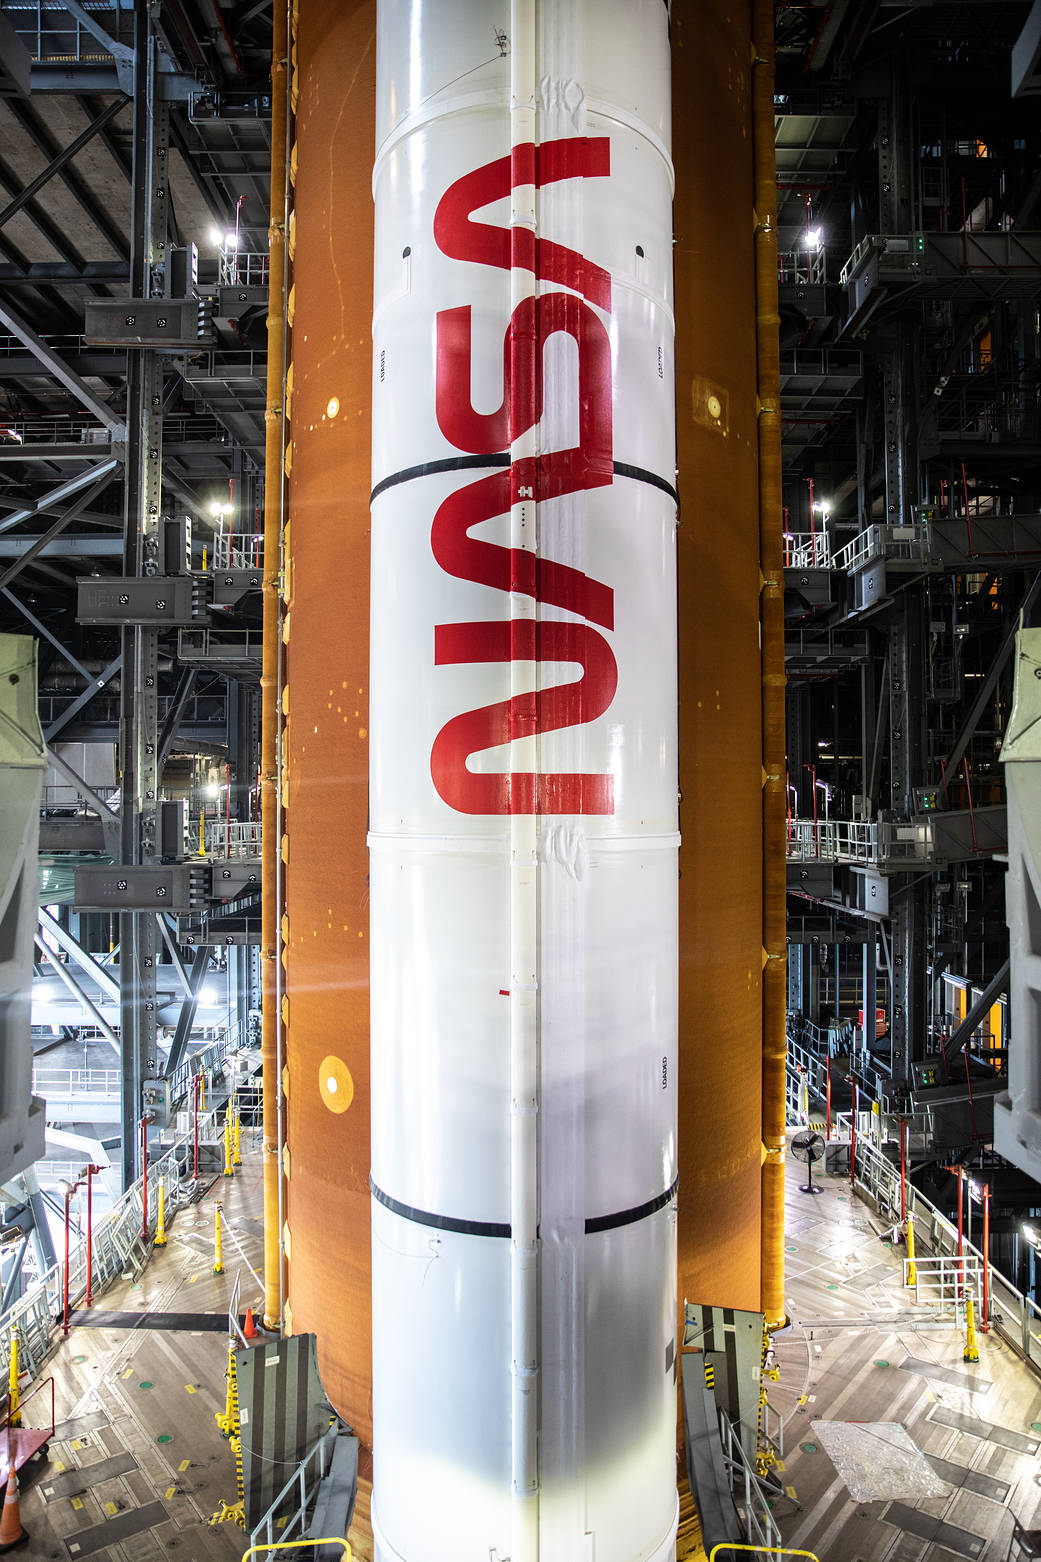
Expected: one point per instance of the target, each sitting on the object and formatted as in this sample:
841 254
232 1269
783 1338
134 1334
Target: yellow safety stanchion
160 1224
329 1540
202 1090
226 1422
972 1350
762 1551
911 1273
237 1142
229 1170
202 835
218 1247
15 1416
230 1426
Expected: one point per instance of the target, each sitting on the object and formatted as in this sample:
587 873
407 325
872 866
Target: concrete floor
859 1352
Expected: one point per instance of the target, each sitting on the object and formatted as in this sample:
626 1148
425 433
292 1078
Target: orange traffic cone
11 1532
251 1332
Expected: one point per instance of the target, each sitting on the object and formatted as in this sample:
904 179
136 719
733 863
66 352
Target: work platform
138 1467
933 1457
137 1463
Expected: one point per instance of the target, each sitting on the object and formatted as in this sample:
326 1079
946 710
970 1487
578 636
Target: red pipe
853 1135
144 1179
968 519
985 1325
195 1150
88 1300
827 1122
903 1170
65 1287
961 1279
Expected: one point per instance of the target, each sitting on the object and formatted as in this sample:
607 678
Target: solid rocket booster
523 784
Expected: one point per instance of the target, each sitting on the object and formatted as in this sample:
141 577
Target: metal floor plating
137 1465
864 1355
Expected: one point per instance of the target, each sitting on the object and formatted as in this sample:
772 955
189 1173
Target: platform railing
807 550
300 1489
120 1244
63 1082
750 1494
228 838
1014 1317
230 1039
863 841
901 544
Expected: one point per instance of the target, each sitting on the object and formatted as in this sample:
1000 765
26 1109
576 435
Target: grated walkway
864 1361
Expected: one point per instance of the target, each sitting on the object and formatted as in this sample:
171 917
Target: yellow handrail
328 1540
770 1551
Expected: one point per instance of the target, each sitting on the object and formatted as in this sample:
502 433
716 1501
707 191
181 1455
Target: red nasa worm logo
586 465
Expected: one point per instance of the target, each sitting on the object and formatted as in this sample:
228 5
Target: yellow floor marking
110 1507
57 1466
184 1464
75 1443
189 1388
170 1491
129 1373
802 1399
791 1492
77 1502
779 1464
930 1398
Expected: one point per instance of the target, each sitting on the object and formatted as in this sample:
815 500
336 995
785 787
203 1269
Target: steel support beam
96 684
139 737
59 368
174 953
52 928
869 995
88 1005
41 629
997 985
57 497
67 153
11 1283
186 1018
38 544
175 714
110 820
949 766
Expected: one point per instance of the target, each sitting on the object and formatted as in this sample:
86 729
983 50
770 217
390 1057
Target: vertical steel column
142 507
869 992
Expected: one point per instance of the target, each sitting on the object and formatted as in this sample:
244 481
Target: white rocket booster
523 784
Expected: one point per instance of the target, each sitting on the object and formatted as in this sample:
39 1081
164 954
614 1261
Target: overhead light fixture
231 241
812 239
215 507
1031 1235
208 996
216 236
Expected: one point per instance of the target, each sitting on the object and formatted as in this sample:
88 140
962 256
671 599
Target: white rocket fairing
523 784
